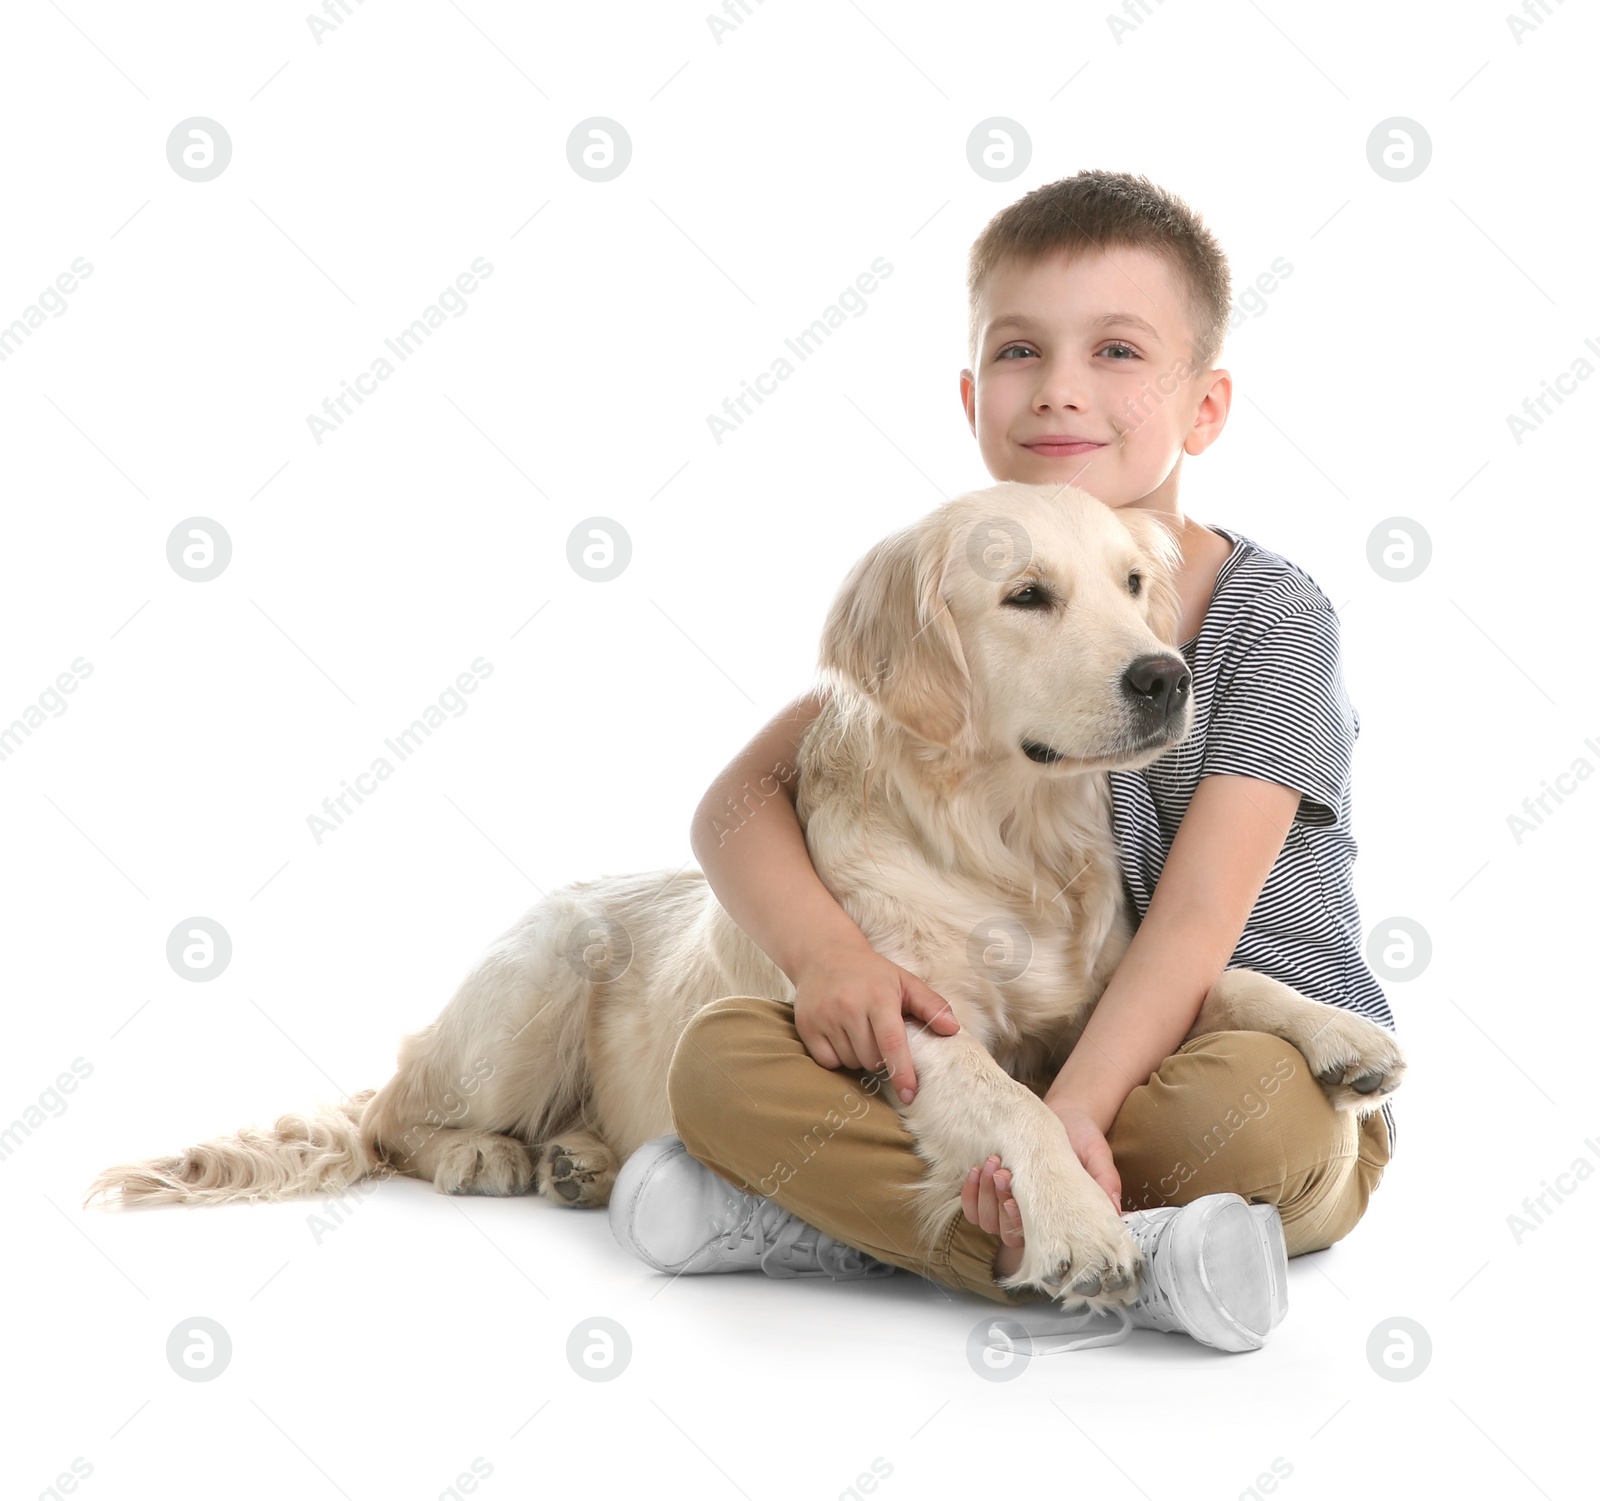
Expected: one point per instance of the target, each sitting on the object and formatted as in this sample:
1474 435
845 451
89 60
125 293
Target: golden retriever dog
985 665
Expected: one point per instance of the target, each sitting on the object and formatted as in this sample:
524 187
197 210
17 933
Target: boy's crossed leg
1231 1112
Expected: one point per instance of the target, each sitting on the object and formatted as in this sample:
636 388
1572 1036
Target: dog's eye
1135 583
1031 598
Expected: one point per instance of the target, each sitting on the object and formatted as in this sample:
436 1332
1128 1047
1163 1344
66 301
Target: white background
768 172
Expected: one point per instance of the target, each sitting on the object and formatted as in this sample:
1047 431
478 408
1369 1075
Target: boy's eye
1128 351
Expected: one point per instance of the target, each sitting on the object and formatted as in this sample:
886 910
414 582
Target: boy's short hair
1098 210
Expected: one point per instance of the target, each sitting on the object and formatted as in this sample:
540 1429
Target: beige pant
1235 1112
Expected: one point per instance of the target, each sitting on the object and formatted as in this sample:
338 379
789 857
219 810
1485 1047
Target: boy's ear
889 634
1164 556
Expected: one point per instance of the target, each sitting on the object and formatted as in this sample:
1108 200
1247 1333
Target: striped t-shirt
1269 702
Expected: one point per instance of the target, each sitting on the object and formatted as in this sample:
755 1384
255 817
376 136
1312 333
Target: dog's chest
1012 908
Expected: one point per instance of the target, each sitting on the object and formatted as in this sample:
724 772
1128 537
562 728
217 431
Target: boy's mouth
1060 448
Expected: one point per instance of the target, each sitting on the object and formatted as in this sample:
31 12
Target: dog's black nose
1158 686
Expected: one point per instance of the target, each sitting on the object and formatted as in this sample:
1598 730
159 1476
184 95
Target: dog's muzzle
1155 691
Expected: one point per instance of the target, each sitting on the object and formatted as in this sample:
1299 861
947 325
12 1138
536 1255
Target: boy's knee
699 1075
1312 1157
1240 1108
1258 1073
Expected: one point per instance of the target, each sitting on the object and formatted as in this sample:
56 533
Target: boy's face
1103 352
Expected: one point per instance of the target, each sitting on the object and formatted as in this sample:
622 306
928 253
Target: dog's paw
483 1163
1078 1251
578 1172
1358 1063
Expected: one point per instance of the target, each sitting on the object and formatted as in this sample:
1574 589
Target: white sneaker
1269 1224
1215 1269
677 1215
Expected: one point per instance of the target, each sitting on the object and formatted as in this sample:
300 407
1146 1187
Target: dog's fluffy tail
301 1154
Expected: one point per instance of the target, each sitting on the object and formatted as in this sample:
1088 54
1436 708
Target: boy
1097 310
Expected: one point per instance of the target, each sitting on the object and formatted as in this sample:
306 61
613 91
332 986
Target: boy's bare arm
849 1000
747 838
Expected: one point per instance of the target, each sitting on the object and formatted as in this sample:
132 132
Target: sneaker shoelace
1079 1329
786 1246
1155 1305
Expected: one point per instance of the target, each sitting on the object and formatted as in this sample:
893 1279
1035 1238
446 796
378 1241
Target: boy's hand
1093 1151
986 1200
849 1007
986 1197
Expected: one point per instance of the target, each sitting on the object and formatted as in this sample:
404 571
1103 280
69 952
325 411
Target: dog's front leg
1357 1062
1075 1244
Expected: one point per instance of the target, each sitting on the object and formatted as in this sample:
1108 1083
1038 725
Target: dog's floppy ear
889 634
1159 543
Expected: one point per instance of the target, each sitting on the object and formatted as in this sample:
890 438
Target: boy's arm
849 1000
748 841
1220 859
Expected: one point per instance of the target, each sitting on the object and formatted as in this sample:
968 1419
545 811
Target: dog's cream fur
961 857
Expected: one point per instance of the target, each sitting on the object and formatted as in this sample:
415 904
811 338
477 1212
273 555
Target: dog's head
1024 621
